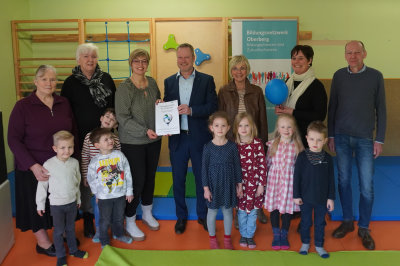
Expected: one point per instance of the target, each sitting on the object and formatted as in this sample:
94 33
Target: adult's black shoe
51 251
236 219
344 228
261 216
88 227
203 222
366 238
180 226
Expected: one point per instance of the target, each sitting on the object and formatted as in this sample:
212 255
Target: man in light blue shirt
185 90
195 92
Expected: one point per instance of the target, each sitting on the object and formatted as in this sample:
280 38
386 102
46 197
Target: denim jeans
319 223
247 223
363 150
111 213
95 211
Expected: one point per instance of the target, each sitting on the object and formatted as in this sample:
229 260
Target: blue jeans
247 223
319 223
95 211
363 150
111 213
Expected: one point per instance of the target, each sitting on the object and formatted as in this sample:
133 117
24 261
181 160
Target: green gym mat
163 185
121 257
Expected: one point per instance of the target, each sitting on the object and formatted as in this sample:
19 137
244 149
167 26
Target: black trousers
64 221
143 161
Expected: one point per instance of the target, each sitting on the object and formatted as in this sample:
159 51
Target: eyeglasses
239 69
144 62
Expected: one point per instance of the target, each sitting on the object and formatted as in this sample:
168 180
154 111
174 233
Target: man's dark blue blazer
203 102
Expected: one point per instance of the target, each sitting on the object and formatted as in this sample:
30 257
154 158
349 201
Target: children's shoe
243 242
213 242
276 242
80 254
322 252
133 230
123 238
284 240
62 261
96 237
251 243
148 218
228 242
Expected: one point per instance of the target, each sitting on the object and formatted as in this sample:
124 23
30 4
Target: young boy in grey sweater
110 179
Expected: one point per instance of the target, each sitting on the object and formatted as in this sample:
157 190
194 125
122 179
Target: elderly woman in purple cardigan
33 122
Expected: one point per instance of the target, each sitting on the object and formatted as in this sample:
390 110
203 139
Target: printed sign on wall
266 44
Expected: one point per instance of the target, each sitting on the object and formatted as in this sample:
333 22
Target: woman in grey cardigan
135 108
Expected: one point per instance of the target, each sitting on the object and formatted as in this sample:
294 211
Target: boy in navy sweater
314 187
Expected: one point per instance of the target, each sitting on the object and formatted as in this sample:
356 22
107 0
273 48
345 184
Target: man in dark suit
197 100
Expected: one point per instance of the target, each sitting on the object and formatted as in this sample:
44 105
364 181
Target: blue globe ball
276 91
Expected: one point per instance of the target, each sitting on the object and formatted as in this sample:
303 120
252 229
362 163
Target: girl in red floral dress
281 157
254 175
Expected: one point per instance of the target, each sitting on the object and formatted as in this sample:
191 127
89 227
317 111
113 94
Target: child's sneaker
243 242
284 240
251 243
80 254
96 237
124 238
62 261
228 242
213 242
276 242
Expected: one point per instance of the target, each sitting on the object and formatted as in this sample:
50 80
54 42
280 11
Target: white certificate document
167 118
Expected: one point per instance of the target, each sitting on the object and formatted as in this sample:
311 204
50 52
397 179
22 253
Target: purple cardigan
31 128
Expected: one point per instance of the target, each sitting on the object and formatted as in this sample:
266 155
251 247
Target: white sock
322 252
304 249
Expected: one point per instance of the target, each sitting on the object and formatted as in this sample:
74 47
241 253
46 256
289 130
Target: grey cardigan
135 110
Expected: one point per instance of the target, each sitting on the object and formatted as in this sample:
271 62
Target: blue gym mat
386 205
386 187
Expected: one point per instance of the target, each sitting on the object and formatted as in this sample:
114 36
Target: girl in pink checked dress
281 157
254 176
